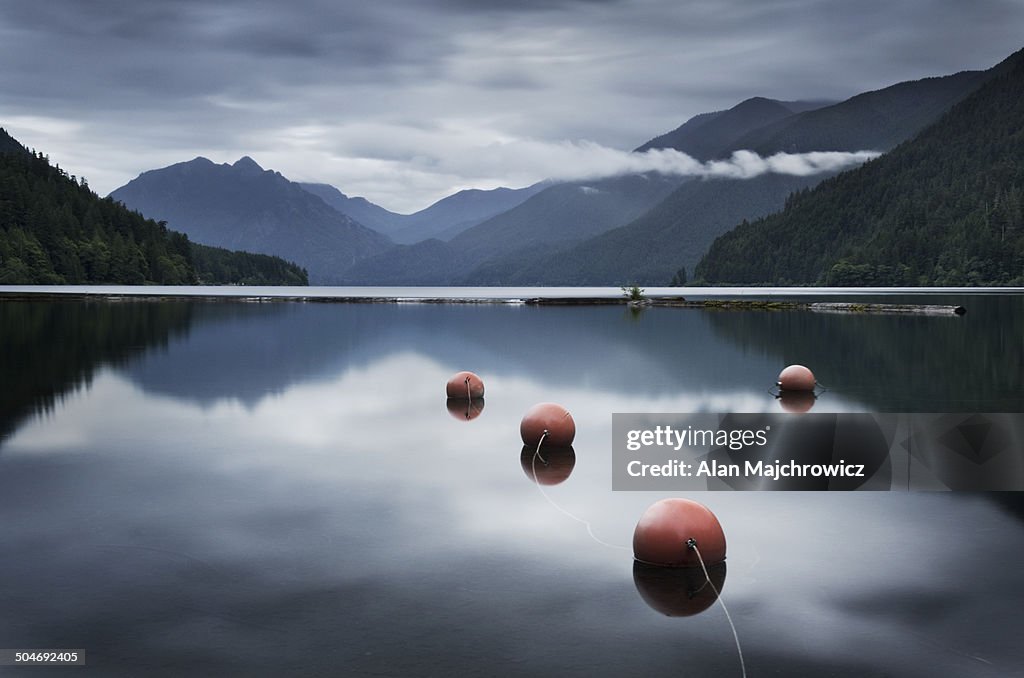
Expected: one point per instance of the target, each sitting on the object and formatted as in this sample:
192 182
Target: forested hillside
55 230
942 209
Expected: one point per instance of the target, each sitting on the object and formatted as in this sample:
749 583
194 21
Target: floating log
925 309
817 307
575 301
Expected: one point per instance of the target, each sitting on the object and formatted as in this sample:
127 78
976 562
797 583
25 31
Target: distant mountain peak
247 164
708 135
759 104
756 101
255 210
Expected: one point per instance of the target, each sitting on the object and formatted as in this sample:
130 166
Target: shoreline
655 300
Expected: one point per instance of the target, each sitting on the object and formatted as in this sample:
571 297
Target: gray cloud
385 99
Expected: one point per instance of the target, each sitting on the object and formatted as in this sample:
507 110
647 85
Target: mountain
623 230
430 262
443 220
558 216
877 120
54 230
946 208
672 235
503 249
450 216
362 210
806 105
676 233
243 206
705 136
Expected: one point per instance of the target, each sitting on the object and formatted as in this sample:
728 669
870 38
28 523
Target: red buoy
796 378
662 536
549 418
465 385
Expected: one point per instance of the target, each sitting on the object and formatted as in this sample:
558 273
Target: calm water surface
197 488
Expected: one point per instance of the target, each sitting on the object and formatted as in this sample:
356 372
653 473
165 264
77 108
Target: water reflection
273 489
968 451
248 351
464 409
678 591
549 465
896 363
796 402
48 350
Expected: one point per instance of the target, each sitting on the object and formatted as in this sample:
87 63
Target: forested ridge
55 230
945 208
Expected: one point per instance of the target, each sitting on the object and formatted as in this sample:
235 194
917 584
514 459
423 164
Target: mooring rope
536 453
692 543
590 531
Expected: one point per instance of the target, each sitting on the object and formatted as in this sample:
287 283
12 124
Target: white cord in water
561 510
743 667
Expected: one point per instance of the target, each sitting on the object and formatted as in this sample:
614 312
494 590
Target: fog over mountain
646 228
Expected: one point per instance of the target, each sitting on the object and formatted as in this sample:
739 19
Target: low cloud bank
587 160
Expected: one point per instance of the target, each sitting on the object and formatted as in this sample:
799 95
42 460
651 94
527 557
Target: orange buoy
796 378
662 535
465 385
550 421
678 592
553 466
465 410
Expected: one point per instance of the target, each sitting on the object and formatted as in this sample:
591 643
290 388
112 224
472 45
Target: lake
194 487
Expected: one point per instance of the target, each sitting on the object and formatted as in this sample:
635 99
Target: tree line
55 230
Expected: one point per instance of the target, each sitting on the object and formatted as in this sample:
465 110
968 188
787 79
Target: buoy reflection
678 591
552 466
796 402
465 410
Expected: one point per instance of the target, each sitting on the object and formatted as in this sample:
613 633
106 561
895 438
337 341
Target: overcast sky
404 101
